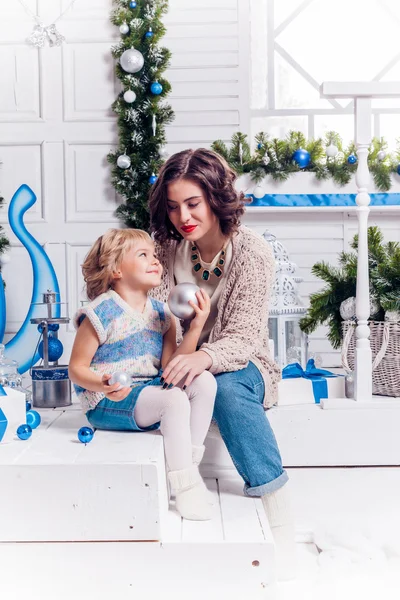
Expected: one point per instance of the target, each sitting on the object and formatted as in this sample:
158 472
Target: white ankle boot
190 494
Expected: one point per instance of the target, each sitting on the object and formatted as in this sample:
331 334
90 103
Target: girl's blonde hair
106 255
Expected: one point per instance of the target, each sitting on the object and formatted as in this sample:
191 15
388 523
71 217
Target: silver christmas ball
381 155
332 150
373 307
123 161
348 309
124 28
120 377
266 160
179 297
129 96
392 315
163 152
131 60
258 192
4 258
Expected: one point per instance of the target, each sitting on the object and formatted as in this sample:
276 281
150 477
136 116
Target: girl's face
189 210
140 269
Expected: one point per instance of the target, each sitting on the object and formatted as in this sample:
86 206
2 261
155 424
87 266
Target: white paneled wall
56 128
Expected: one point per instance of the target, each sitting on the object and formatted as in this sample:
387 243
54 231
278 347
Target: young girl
125 330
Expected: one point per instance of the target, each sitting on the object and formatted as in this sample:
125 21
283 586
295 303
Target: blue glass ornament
153 179
132 4
33 419
54 327
149 34
301 157
259 146
55 349
352 159
85 434
156 88
28 406
24 432
398 169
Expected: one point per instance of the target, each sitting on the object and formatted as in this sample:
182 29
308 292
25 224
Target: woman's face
189 210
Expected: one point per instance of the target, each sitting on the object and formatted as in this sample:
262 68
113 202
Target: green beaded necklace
206 274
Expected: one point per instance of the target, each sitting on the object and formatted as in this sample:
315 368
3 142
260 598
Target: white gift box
12 415
300 390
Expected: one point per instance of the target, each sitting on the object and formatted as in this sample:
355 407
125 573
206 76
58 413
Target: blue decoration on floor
321 200
24 432
2 310
85 434
22 345
33 419
3 424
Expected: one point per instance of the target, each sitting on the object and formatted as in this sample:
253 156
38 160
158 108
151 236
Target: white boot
197 456
278 509
190 498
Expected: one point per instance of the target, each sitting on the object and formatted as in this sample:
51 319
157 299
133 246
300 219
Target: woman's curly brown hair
216 179
105 256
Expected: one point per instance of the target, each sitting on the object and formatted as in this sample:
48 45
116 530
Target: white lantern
286 309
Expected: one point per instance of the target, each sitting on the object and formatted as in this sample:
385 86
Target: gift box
309 385
12 413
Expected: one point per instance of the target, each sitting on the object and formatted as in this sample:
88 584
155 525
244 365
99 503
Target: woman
195 215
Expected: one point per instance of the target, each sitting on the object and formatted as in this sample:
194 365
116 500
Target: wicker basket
385 346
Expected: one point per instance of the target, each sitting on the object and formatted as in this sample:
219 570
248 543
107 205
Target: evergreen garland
135 120
274 157
384 279
4 243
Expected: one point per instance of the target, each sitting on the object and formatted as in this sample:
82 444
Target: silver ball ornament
124 28
373 307
381 155
348 309
179 297
163 152
120 377
393 316
131 60
123 161
266 160
331 150
258 192
129 96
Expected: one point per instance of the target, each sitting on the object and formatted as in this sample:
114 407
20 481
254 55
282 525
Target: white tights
185 416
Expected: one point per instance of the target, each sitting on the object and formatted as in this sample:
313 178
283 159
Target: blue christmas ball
33 419
55 349
28 406
398 169
352 159
302 158
24 432
259 146
153 179
132 4
149 34
85 434
54 327
156 88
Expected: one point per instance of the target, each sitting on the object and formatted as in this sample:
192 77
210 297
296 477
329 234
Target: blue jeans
246 431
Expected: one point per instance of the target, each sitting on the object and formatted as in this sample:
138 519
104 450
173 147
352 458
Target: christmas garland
327 158
142 113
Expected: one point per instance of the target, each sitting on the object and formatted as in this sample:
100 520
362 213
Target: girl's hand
201 311
114 392
185 367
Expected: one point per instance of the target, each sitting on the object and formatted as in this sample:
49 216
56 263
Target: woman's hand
114 392
186 366
202 310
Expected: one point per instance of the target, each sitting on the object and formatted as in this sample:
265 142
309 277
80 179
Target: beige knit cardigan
240 331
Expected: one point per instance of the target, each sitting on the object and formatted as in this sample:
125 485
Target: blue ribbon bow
316 376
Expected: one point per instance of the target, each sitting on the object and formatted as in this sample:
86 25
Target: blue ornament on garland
302 158
398 169
259 146
28 405
352 159
33 419
149 33
132 4
85 434
24 432
152 179
156 88
55 349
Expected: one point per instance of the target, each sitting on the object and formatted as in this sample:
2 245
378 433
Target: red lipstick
188 228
